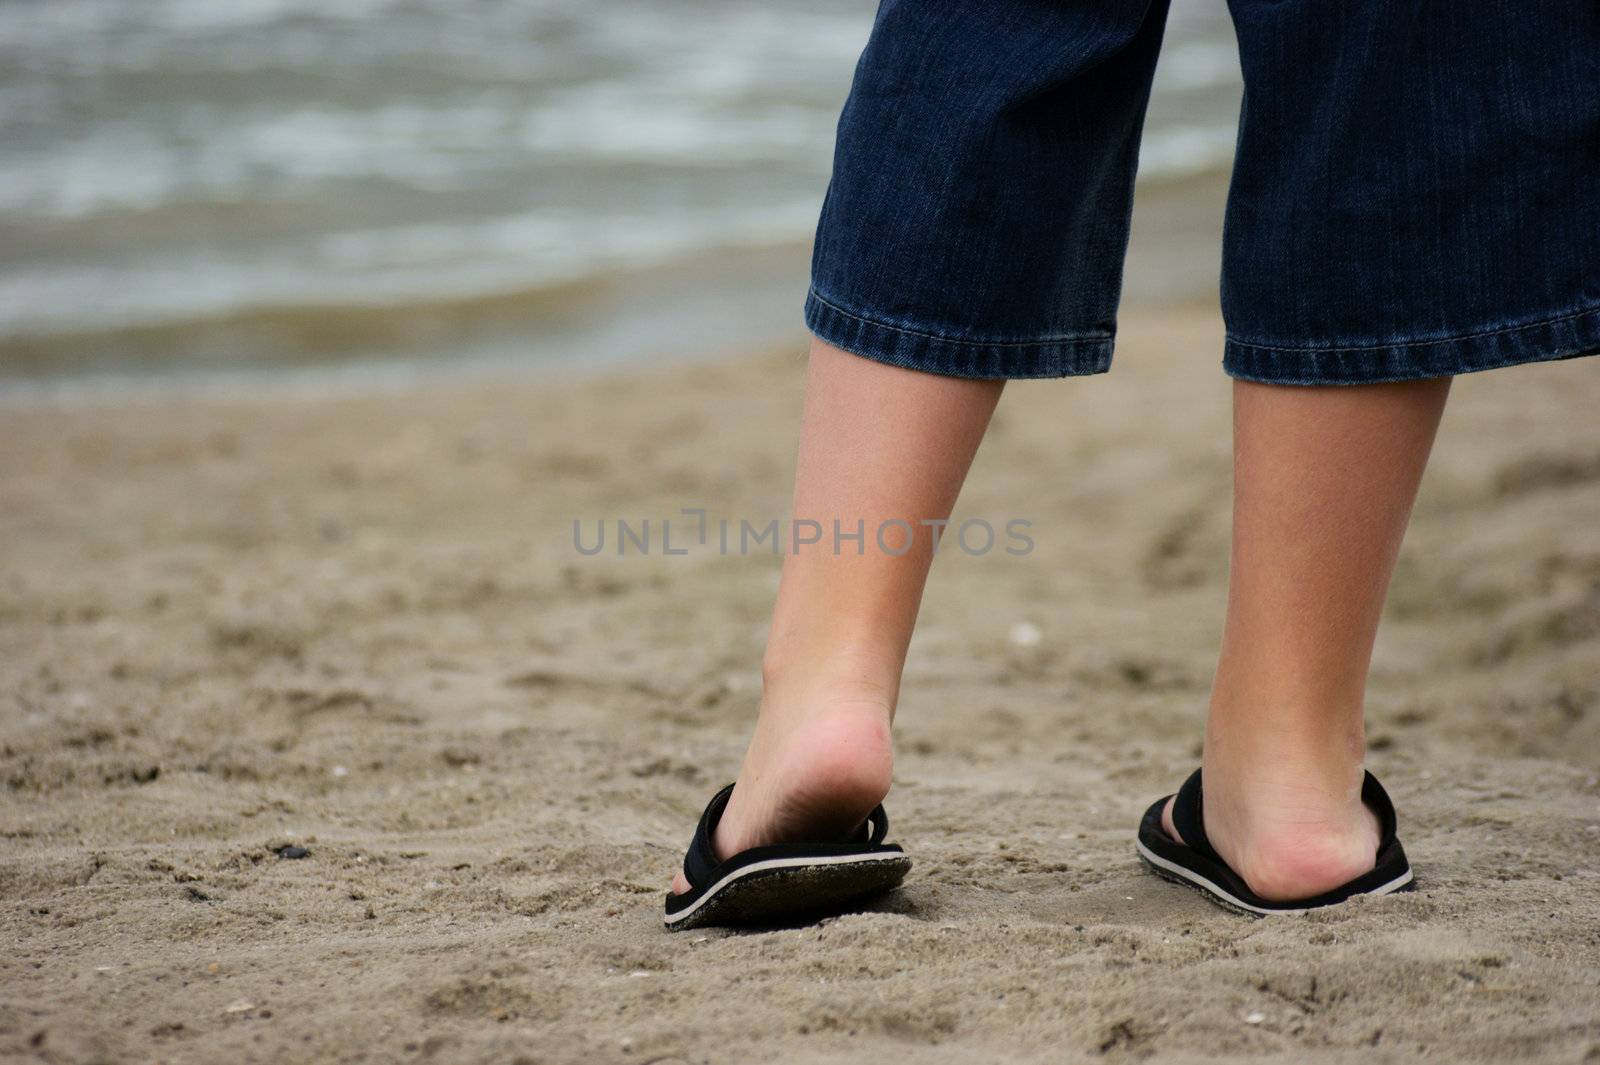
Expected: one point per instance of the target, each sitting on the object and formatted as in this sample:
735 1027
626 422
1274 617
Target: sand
359 626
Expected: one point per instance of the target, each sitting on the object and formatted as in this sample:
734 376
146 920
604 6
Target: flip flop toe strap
1379 803
701 857
1189 819
876 827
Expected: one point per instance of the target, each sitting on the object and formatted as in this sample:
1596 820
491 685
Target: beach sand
359 626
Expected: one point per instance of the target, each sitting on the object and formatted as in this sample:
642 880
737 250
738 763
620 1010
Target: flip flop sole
1213 893
781 889
1209 892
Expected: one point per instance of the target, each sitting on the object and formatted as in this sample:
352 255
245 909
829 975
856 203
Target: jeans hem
930 353
1566 336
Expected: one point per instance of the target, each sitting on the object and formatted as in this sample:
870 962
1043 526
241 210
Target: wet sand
358 626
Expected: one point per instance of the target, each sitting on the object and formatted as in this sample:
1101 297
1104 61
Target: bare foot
817 766
1290 841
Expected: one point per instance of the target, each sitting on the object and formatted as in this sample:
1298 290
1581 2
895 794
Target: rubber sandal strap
1188 818
700 861
701 857
1379 803
877 826
1188 814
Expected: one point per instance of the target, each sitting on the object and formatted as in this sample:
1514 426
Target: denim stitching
1419 343
1073 339
1414 375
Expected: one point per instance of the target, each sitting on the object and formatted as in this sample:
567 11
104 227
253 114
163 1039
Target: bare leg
1324 480
877 443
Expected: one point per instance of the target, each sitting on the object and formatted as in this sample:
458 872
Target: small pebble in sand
214 968
293 852
1026 634
340 771
242 1005
1254 1017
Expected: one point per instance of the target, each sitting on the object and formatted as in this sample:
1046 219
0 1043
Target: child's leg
1324 480
877 443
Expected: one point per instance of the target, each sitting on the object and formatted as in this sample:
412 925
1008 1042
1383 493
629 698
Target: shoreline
602 323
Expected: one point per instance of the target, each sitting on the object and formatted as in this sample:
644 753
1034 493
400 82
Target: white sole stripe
1199 881
777 863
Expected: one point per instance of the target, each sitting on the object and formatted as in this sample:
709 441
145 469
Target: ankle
1284 760
852 674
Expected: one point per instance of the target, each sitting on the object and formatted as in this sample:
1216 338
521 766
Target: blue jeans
1416 191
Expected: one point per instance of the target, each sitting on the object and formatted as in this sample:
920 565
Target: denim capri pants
1416 189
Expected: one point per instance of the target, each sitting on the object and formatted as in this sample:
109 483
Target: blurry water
212 183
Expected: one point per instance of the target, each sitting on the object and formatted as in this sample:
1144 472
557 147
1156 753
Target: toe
680 884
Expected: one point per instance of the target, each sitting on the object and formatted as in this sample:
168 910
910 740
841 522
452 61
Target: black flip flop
785 881
1193 863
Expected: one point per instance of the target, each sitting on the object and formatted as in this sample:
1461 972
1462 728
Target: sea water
271 186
